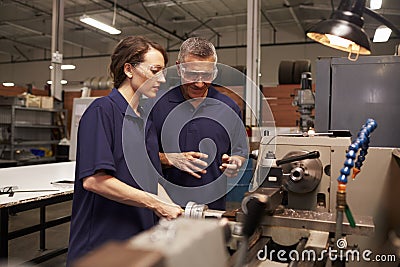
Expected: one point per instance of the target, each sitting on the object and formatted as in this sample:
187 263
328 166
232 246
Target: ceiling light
382 34
8 84
62 82
68 67
99 25
375 4
65 67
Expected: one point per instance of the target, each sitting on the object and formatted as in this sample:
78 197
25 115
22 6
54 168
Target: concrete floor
24 248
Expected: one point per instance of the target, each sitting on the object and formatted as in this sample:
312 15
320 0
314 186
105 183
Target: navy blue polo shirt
214 128
111 138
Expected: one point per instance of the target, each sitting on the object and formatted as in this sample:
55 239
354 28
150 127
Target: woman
109 203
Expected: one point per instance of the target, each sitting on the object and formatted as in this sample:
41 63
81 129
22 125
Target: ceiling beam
41 34
196 18
383 11
14 41
296 19
170 33
147 11
270 23
20 52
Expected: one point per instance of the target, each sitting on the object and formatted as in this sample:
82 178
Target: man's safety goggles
198 75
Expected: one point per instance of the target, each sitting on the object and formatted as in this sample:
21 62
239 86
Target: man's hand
231 165
189 162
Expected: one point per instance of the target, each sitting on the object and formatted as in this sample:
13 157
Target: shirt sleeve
95 143
239 144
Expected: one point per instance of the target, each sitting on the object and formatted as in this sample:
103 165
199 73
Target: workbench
33 187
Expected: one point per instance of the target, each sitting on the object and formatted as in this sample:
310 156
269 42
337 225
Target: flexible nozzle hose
362 142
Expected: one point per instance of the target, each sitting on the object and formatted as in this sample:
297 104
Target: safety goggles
191 75
151 70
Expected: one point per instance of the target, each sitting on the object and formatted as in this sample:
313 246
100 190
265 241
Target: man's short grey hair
197 46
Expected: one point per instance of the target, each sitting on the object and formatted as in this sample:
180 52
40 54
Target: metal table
34 190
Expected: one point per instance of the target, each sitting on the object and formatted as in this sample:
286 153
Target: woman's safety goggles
151 70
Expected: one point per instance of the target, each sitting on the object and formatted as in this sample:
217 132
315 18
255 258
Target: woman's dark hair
131 50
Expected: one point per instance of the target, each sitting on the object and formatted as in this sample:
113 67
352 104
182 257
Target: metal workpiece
201 211
314 220
194 210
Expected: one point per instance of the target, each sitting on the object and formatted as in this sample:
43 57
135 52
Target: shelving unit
29 135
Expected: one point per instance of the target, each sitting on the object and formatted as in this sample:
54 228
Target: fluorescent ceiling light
99 25
382 34
62 82
375 4
8 84
65 67
68 67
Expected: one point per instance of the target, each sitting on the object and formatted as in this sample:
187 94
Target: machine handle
256 205
310 155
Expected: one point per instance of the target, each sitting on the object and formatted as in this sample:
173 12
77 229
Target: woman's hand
168 211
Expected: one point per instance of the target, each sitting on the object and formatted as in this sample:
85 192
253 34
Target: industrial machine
305 101
298 215
305 192
294 213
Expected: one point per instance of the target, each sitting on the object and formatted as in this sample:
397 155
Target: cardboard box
32 101
47 102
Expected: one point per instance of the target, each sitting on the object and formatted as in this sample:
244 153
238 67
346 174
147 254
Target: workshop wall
37 73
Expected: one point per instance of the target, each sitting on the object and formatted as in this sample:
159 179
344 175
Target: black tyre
286 72
300 66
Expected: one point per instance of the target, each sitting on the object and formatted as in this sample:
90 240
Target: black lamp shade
343 29
344 23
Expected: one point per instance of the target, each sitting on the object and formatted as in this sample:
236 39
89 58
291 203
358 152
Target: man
201 136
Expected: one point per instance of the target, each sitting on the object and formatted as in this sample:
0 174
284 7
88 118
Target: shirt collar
176 96
122 104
